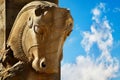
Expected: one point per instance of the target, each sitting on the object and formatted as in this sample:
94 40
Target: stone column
2 27
2 24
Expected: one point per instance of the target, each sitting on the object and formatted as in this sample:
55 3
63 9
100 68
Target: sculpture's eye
36 29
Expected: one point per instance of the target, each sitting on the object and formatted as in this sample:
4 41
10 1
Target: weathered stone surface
2 26
46 26
13 8
2 23
26 1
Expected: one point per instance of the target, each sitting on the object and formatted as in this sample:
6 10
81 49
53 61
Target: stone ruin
32 34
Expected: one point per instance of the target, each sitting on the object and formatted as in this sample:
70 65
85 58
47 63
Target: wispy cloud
71 40
88 68
116 10
97 12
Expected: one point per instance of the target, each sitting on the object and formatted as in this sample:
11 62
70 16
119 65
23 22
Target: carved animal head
40 33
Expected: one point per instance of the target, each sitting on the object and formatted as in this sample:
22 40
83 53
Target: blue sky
92 51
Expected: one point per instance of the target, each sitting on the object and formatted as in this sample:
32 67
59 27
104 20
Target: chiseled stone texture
10 18
2 23
2 26
13 8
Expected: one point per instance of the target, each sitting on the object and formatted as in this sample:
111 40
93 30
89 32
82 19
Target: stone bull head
38 35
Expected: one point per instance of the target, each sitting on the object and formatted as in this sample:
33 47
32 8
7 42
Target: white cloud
101 34
70 41
97 12
88 68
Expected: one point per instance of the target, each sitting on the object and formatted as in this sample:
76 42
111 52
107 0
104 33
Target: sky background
92 51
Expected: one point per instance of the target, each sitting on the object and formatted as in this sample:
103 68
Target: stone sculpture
36 41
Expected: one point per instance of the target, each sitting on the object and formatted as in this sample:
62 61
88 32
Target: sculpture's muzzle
44 63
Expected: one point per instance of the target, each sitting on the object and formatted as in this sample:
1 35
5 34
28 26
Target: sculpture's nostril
42 63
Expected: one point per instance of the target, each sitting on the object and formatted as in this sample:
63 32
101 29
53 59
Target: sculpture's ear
41 10
38 11
30 22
